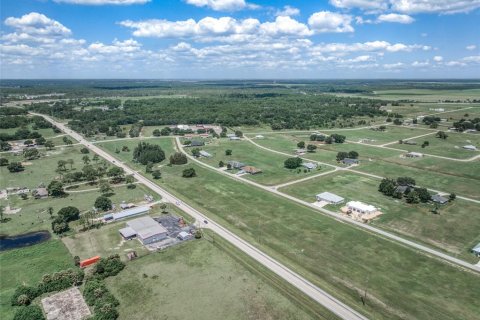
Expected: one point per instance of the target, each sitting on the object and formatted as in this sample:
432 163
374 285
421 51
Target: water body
23 240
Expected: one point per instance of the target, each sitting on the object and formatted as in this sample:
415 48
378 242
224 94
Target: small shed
40 193
439 199
234 138
205 154
476 250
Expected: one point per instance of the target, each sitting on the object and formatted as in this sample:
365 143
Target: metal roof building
146 229
361 207
439 199
126 213
309 165
476 250
205 154
329 197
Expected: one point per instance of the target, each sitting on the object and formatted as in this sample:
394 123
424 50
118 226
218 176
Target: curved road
328 301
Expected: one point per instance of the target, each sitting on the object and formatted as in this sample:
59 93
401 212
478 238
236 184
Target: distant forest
280 111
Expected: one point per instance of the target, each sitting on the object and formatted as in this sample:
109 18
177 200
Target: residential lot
454 230
271 164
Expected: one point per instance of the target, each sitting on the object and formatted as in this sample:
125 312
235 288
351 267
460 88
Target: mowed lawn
392 133
454 230
27 266
452 147
271 164
337 257
200 280
34 215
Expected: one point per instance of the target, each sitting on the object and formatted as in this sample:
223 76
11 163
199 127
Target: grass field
454 230
34 214
27 266
41 170
197 278
425 95
271 164
304 239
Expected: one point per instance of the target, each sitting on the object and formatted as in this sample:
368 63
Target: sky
239 39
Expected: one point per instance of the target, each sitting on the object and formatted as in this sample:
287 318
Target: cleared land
424 95
454 230
350 259
27 266
184 281
271 164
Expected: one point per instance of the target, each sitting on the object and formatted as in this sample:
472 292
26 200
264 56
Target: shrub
178 158
29 313
189 173
15 167
30 292
108 267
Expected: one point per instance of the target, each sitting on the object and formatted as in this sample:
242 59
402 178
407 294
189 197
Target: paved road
340 217
328 301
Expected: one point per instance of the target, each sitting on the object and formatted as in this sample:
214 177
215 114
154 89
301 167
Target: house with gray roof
309 165
205 154
439 199
349 161
236 164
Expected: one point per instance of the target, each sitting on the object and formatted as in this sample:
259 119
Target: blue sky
240 39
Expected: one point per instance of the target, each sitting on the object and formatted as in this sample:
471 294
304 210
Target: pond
23 240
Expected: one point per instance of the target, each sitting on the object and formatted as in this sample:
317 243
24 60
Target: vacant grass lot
199 279
425 95
454 230
42 170
335 256
419 109
27 266
34 214
167 145
450 147
271 164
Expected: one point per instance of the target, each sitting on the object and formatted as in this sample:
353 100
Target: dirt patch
66 305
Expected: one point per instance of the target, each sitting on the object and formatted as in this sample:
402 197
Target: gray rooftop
146 227
330 197
438 198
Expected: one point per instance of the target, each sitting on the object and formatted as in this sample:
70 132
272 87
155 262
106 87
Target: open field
27 266
306 238
41 170
412 110
34 214
454 230
424 95
184 280
271 164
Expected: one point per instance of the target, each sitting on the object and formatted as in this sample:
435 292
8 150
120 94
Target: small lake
23 240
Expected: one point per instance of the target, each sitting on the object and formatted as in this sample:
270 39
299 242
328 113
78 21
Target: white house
360 207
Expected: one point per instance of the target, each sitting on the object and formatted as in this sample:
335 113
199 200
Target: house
234 138
231 135
470 147
402 189
349 161
439 199
126 213
414 155
145 229
205 154
236 164
183 126
259 136
360 207
251 170
329 197
40 193
410 142
476 250
184 235
309 165
196 143
300 152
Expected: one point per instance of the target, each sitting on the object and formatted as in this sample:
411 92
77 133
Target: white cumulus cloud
471 47
37 24
410 6
395 17
326 21
288 11
438 58
223 5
